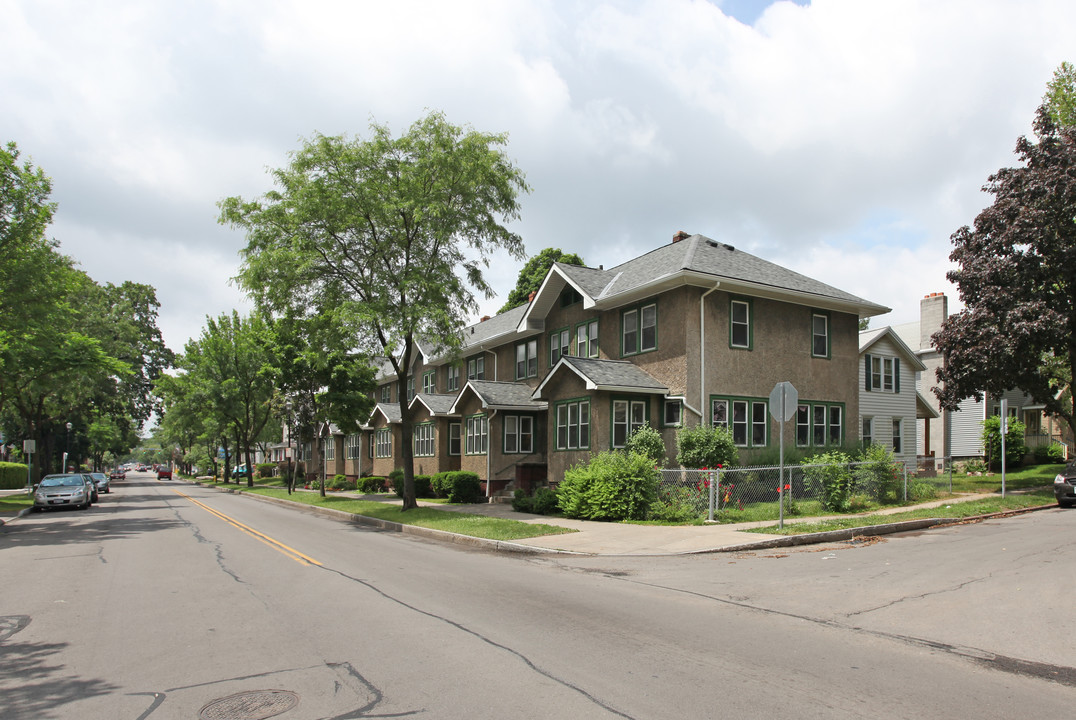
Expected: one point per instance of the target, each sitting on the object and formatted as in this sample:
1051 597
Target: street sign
29 446
783 401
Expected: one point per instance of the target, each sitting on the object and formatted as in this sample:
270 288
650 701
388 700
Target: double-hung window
429 382
740 324
424 440
820 335
559 345
455 431
745 418
803 426
639 330
476 368
453 377
477 435
386 393
352 445
628 416
898 436
818 421
719 413
883 373
573 425
836 424
586 339
410 388
673 413
330 448
527 359
383 442
518 434
867 435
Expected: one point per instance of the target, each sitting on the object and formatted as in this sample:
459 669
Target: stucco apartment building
692 332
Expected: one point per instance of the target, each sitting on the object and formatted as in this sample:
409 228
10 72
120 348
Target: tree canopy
534 272
1017 279
389 233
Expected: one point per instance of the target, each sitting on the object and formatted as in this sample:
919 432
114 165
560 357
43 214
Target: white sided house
889 404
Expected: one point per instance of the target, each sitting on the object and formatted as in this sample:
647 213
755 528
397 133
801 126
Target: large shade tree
1017 278
392 232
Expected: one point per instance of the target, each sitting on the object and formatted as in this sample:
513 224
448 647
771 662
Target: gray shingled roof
437 404
503 395
700 254
391 411
607 375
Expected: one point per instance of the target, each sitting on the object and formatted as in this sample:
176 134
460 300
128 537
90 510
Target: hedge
12 475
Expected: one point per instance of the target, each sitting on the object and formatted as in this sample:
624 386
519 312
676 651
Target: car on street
1065 486
63 490
118 474
102 482
94 496
164 473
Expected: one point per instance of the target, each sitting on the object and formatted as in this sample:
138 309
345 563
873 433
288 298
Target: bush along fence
742 494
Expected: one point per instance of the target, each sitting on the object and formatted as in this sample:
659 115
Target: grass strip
955 509
461 523
15 503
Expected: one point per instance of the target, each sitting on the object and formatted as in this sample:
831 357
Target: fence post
905 466
712 493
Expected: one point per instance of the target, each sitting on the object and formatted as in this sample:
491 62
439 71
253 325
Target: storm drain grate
250 705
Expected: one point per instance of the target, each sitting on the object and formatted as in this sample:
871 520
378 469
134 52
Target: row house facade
692 332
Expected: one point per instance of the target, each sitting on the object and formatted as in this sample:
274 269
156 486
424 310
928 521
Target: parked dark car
164 473
118 474
102 482
94 496
1065 486
67 490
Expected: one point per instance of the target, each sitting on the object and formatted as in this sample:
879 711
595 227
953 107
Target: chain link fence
742 494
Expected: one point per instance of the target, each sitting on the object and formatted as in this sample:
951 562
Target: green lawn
1033 476
15 503
479 526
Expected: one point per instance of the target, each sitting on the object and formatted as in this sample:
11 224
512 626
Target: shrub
831 479
878 475
612 486
673 504
647 441
370 485
1051 454
542 502
456 485
13 475
522 502
1015 447
920 490
422 484
266 470
314 484
340 482
705 447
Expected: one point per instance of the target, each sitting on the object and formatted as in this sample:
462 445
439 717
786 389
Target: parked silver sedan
102 482
68 490
1065 486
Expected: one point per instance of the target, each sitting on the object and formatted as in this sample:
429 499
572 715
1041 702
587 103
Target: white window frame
477 435
383 442
898 436
353 446
744 323
527 359
573 425
455 438
518 434
425 440
816 335
677 418
453 377
429 382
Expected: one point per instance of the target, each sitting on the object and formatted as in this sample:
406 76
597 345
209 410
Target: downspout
489 453
702 353
490 352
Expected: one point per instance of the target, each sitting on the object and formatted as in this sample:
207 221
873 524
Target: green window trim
741 326
747 418
640 323
636 414
824 422
477 436
676 404
821 331
586 346
573 414
425 440
429 382
526 359
518 434
560 344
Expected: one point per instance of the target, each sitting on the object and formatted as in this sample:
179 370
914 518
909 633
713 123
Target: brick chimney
933 310
530 298
680 236
484 318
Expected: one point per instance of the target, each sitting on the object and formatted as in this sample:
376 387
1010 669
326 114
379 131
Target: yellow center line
275 544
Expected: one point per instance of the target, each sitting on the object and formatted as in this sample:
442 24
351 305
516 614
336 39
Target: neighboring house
692 332
958 434
889 403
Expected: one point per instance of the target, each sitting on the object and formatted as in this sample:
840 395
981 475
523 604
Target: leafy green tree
1015 446
319 378
534 272
647 441
1017 278
393 233
1060 99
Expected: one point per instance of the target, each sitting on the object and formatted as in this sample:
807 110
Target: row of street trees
72 351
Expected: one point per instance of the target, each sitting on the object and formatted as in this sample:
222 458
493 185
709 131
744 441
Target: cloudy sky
845 139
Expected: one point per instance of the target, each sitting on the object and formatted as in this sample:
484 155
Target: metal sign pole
1003 427
783 402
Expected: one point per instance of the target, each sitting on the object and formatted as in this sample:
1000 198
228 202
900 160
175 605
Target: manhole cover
251 705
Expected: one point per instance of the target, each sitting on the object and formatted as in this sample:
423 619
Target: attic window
570 296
